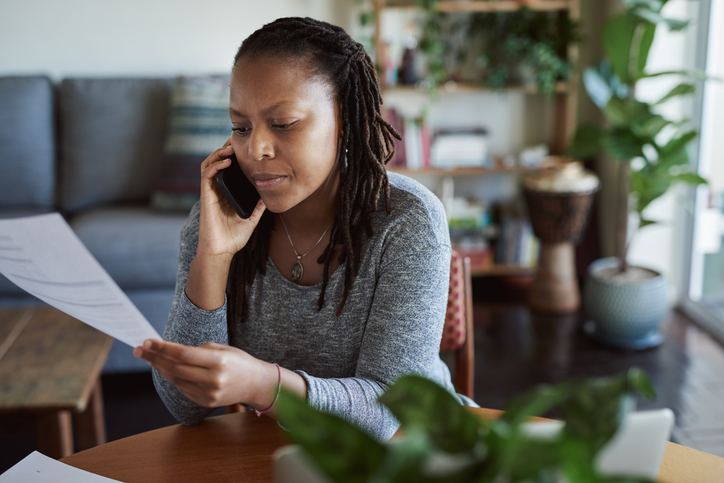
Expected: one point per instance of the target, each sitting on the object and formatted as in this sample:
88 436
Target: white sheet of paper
38 468
43 256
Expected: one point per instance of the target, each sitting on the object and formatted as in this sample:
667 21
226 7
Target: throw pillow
198 125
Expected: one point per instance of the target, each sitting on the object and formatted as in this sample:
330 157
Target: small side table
50 366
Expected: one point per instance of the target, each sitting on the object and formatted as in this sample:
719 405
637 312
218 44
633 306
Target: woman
337 283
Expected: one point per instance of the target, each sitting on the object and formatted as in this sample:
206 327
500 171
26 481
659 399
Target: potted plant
625 304
524 47
443 441
496 49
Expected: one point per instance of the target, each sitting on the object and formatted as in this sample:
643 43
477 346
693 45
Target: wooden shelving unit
461 87
566 92
565 95
503 271
490 6
498 168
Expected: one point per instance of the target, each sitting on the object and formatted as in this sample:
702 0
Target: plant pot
624 313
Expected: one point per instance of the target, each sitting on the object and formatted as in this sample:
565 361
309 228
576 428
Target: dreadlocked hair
365 148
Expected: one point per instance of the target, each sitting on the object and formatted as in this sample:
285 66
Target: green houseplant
524 46
468 449
625 303
496 49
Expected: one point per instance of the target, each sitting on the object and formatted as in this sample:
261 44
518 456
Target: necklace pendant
297 270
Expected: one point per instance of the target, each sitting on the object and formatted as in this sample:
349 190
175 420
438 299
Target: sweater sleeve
189 325
402 336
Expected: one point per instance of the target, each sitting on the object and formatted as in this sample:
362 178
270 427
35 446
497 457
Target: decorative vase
559 201
624 310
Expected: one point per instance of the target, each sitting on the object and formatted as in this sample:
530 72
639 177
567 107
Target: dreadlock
365 148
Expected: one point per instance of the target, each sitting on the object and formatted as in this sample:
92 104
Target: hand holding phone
237 189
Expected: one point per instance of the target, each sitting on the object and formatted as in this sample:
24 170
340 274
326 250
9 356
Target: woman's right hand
222 232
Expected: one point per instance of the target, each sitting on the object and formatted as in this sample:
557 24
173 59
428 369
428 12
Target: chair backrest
457 335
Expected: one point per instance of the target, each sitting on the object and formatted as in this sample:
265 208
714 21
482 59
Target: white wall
65 38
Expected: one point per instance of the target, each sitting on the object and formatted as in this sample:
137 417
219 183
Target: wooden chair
457 335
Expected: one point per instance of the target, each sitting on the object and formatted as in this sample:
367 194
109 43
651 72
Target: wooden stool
50 365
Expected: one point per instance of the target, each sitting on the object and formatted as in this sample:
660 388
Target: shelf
497 169
489 6
464 87
502 271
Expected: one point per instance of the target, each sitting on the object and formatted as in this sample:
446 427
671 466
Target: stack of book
516 244
471 230
460 148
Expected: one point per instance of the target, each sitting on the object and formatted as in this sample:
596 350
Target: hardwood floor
515 351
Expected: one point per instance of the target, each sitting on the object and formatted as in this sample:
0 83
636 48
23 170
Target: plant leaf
532 457
339 449
690 178
647 38
413 398
639 381
654 5
617 112
597 87
533 403
586 142
644 222
652 126
681 89
675 145
693 74
578 465
648 185
405 458
622 144
616 37
668 160
655 17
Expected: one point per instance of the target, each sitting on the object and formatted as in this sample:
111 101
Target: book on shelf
460 148
517 245
413 152
397 122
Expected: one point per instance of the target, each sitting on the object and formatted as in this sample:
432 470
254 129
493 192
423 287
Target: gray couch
91 150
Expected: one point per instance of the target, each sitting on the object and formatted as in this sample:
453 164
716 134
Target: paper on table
43 256
38 468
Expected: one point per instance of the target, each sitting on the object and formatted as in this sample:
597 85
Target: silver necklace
297 268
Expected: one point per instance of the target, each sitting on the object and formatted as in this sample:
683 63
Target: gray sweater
391 324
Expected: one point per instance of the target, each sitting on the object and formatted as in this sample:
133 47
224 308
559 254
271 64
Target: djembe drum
559 201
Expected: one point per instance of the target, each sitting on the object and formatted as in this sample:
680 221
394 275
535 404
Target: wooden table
50 365
238 447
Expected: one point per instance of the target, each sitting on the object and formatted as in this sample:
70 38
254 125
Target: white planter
624 313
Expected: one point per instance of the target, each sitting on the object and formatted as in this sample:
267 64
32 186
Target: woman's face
286 128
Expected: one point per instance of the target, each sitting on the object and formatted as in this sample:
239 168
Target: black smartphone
238 190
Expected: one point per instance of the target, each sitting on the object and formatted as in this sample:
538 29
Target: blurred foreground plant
445 442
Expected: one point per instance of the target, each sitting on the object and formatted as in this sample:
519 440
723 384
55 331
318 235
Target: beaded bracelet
279 388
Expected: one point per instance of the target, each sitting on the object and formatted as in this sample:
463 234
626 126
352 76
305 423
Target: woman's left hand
212 375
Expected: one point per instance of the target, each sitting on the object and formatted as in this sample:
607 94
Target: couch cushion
198 125
137 246
111 139
27 143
